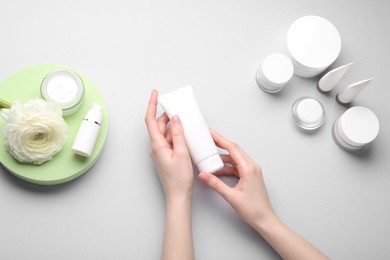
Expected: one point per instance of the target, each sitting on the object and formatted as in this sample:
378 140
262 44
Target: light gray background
337 200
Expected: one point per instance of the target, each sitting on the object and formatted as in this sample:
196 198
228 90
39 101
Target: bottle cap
95 113
210 164
97 107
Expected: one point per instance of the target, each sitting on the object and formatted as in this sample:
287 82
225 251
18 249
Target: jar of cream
356 128
274 73
308 113
314 44
64 88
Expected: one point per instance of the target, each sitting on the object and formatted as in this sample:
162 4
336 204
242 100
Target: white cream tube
200 144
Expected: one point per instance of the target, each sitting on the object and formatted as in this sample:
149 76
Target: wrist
178 199
178 207
267 223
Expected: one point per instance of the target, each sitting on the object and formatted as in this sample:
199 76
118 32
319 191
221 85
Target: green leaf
4 104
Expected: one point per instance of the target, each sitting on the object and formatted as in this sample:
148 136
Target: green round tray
65 165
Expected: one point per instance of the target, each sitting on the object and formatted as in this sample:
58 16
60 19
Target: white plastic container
356 128
331 78
314 44
88 132
200 144
308 113
275 72
346 95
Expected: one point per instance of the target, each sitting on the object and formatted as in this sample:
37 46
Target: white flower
35 131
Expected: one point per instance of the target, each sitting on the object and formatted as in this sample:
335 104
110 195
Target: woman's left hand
169 152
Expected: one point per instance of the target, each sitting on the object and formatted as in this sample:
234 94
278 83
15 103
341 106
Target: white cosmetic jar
64 88
356 128
308 113
314 44
274 73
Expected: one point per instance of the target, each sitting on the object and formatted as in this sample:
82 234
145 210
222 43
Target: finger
216 184
177 135
230 167
150 117
227 159
237 154
227 171
168 137
162 123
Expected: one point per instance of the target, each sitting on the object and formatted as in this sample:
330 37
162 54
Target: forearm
178 230
286 242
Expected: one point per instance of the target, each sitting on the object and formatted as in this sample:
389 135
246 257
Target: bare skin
174 168
249 198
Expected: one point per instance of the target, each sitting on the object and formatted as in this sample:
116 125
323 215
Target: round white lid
314 41
358 126
277 69
308 113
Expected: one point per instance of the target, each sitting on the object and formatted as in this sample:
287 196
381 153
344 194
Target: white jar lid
358 126
277 69
308 113
314 43
275 72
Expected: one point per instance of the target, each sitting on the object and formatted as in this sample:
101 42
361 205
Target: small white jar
356 128
274 73
314 44
308 113
64 88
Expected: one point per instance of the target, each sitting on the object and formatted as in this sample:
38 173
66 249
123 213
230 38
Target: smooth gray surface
337 200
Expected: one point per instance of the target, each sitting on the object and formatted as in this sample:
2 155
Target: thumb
216 184
177 134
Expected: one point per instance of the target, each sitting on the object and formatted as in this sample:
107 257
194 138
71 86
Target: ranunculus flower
35 131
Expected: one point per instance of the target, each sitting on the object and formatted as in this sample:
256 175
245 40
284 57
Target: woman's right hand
250 200
249 197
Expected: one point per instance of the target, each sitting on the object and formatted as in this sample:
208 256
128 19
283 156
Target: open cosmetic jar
64 88
355 128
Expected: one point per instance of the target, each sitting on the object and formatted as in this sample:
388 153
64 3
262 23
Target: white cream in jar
64 88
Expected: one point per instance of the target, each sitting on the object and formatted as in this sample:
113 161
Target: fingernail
203 176
175 119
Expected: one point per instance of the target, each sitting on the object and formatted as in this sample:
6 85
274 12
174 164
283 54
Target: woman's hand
169 152
250 200
173 163
249 197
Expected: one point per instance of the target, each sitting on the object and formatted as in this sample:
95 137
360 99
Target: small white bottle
88 131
